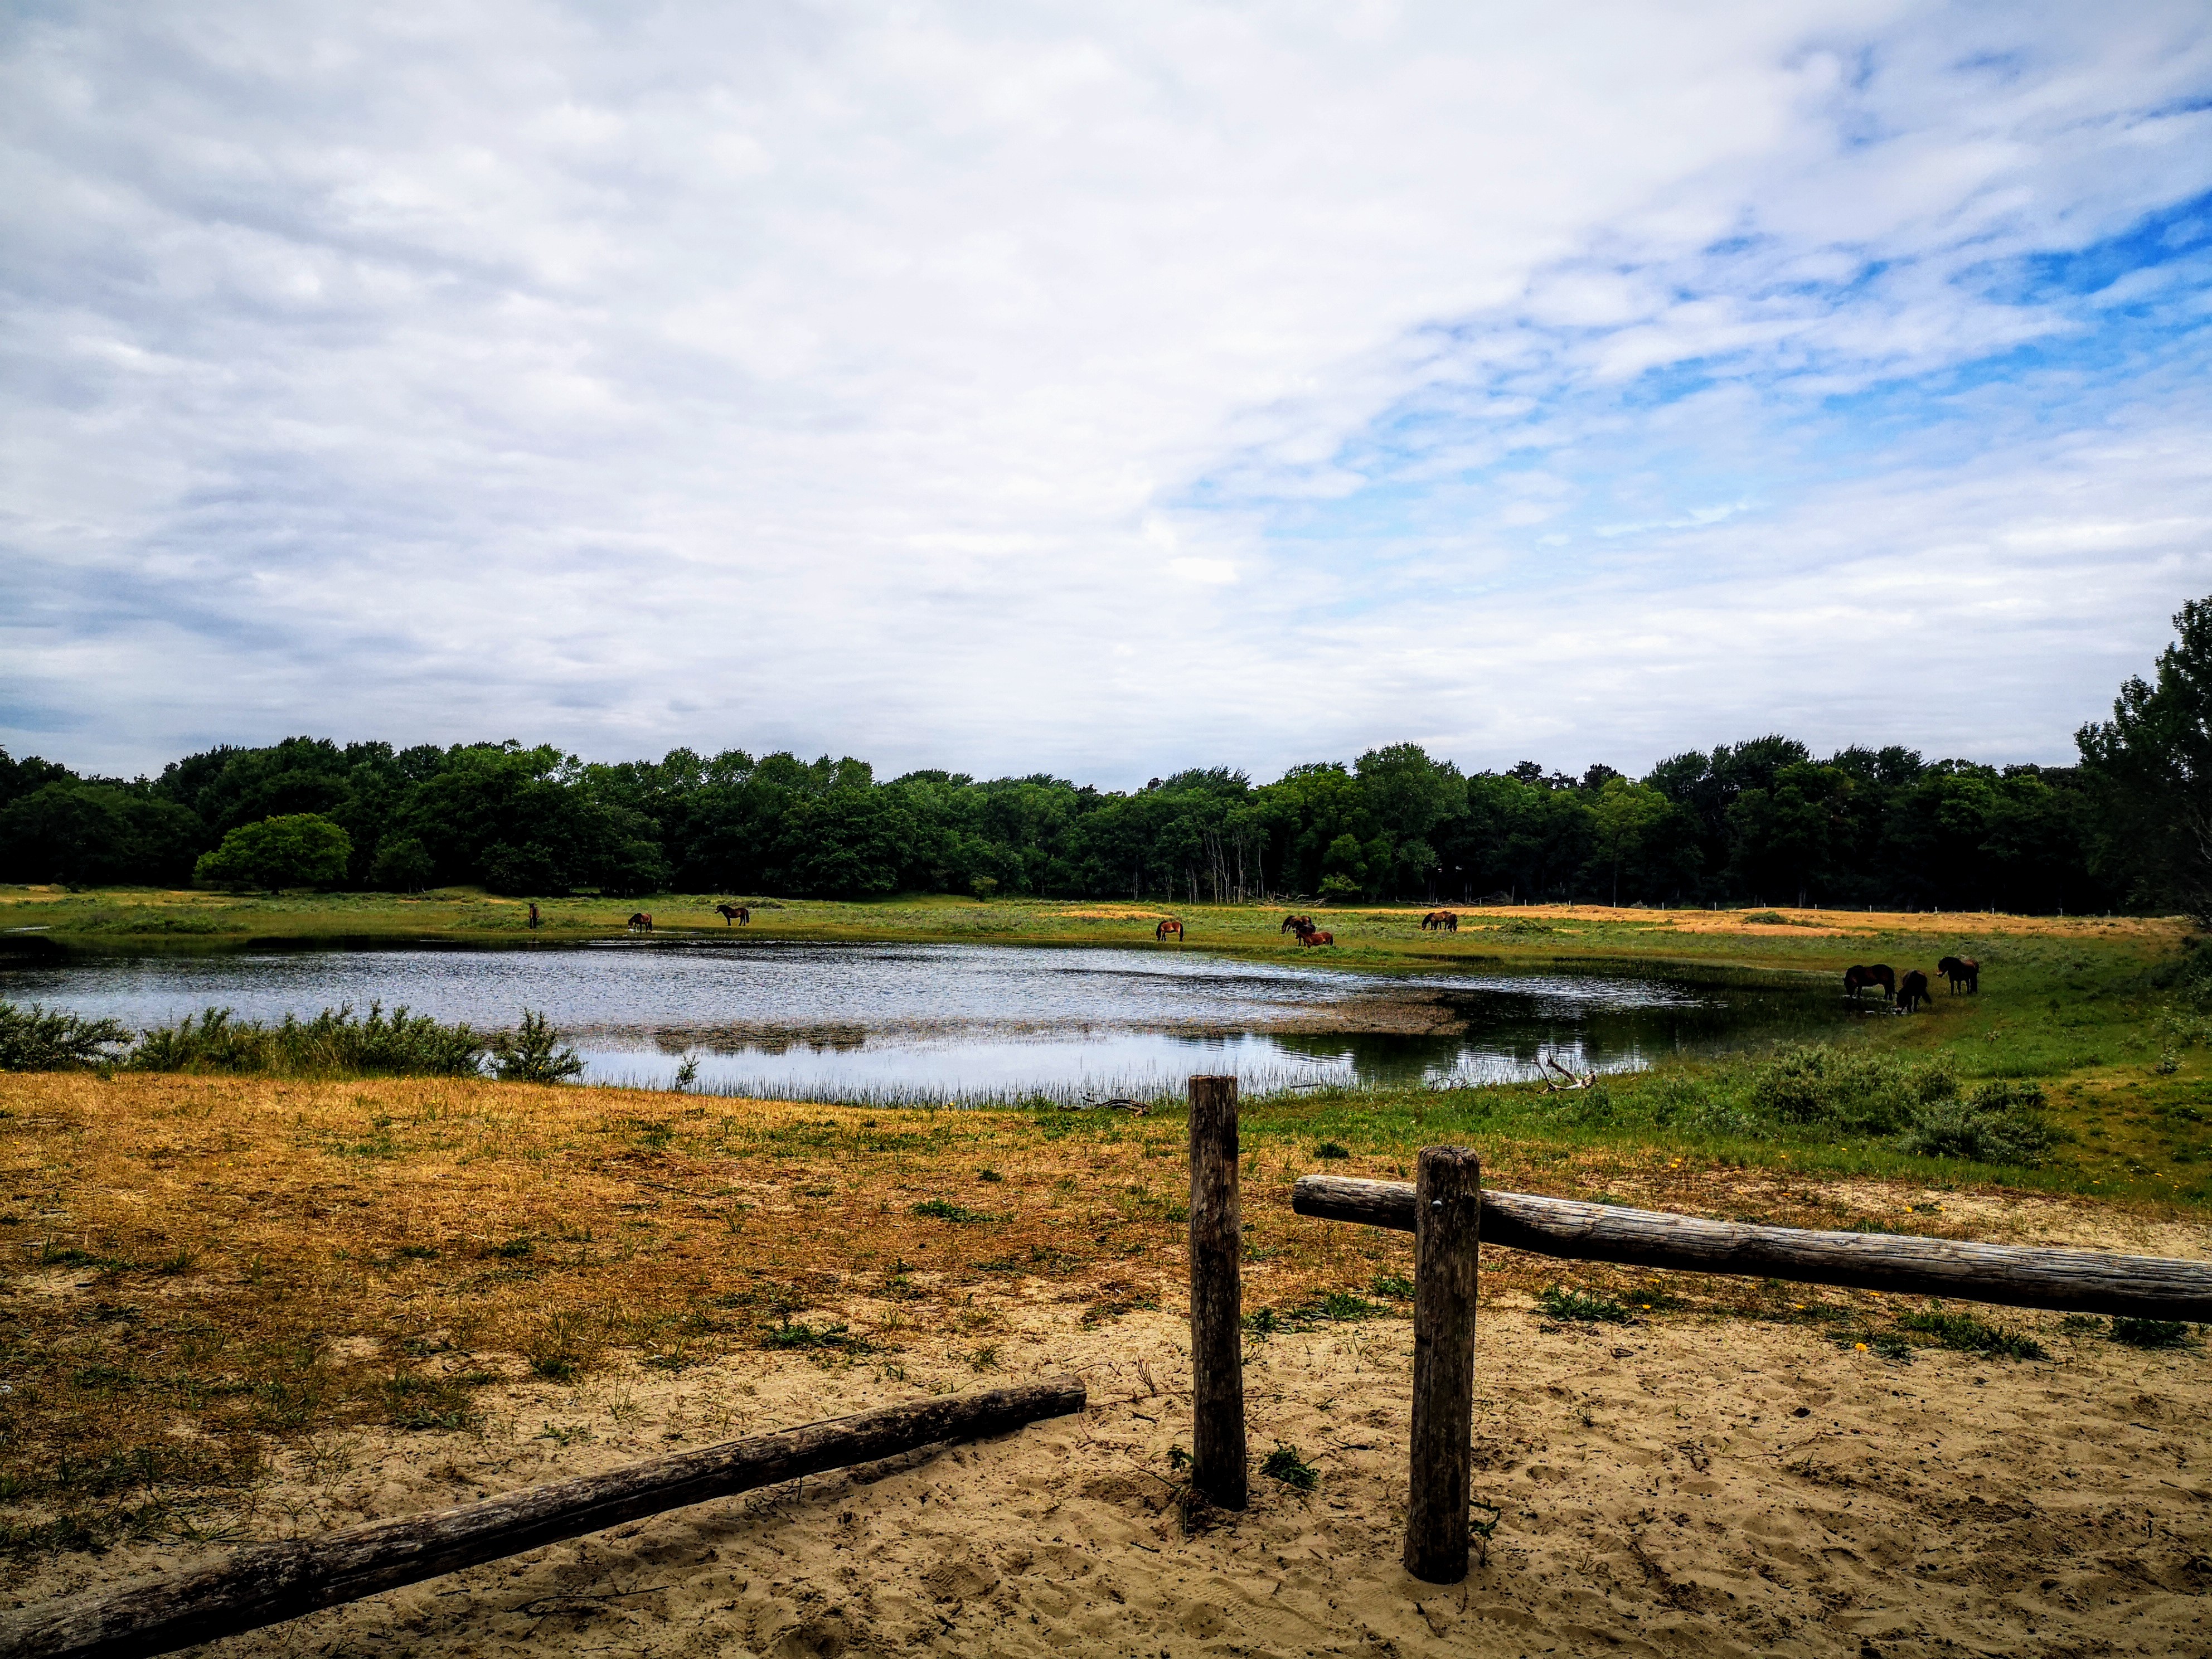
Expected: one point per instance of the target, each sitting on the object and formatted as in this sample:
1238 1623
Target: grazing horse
641 922
1912 991
1313 936
1857 979
1171 926
1296 925
740 914
1444 921
1961 971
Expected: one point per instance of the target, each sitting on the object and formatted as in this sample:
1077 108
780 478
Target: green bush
335 1043
36 1039
2000 1123
1855 1090
532 1054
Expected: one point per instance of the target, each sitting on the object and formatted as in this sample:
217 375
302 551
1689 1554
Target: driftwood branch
267 1584
2068 1281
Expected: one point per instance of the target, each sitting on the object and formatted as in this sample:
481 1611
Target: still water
955 1021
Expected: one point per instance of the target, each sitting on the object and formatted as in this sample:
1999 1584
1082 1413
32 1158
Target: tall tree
2151 766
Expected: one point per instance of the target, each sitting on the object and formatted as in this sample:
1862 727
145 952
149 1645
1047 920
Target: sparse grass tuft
1286 1465
2151 1333
1583 1306
1965 1333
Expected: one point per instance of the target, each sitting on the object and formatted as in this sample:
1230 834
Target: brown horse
1961 971
1912 991
1856 979
740 914
1444 921
534 918
641 922
1296 925
1313 936
1171 926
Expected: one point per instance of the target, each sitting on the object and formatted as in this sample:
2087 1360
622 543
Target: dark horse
740 914
1855 980
1912 991
1444 921
1961 971
533 915
1171 926
641 922
1313 936
1296 925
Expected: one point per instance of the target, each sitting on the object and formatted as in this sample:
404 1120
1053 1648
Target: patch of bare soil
1691 1484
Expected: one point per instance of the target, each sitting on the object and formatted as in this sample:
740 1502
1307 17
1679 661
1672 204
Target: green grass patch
1966 1333
1581 1306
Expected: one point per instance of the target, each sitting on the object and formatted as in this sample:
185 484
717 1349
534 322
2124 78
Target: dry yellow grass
200 1272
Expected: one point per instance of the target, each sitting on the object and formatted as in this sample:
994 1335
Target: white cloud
841 378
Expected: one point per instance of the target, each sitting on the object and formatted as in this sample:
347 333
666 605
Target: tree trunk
266 1584
2066 1281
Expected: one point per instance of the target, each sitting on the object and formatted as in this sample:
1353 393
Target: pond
920 1023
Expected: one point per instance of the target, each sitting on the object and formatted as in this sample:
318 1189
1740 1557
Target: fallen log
2067 1281
267 1584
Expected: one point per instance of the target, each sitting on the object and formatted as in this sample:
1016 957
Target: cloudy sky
1101 390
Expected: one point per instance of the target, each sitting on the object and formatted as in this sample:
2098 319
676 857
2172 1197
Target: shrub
1851 1090
2000 1123
335 1043
1336 889
36 1039
532 1054
1767 918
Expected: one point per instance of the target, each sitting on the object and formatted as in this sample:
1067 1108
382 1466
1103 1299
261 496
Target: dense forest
1761 822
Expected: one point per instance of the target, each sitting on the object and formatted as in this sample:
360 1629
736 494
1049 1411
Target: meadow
207 1283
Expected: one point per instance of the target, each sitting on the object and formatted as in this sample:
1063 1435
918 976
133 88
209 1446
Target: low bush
1855 1090
532 1054
1999 1123
36 1039
335 1043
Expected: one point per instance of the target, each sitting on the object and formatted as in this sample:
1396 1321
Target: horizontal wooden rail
2068 1281
267 1584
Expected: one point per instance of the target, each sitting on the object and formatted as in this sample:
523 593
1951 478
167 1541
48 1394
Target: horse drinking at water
1856 979
1912 991
641 922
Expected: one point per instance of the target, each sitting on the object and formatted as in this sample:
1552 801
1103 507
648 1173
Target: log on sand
2068 1281
269 1582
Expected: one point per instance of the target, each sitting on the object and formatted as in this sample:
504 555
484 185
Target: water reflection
955 1021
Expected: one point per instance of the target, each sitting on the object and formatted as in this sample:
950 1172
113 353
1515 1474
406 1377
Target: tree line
1764 822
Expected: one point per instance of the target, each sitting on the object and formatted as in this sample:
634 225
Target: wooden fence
1450 1217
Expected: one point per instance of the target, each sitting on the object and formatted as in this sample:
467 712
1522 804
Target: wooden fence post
1448 1192
1217 1341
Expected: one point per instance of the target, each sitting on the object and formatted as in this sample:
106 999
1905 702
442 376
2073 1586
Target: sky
1100 390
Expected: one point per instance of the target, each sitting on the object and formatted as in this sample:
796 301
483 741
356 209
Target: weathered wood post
1216 1303
1448 1224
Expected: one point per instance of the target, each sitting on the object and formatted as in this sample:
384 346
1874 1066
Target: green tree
2150 767
299 849
403 864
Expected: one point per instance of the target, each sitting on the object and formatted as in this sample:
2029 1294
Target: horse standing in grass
1444 921
742 915
1912 991
1962 972
533 915
1300 925
1313 936
1171 926
641 922
1856 979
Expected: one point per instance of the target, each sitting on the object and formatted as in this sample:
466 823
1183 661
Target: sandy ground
1690 1485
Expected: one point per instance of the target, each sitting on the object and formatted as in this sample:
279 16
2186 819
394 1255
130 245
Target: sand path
1693 1485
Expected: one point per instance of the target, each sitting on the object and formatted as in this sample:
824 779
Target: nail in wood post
1216 1344
1448 1195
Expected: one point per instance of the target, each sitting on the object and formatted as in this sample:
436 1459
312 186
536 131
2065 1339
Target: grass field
196 1272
